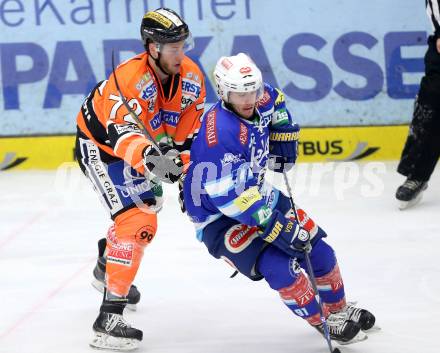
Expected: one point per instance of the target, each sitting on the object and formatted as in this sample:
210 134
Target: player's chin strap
311 273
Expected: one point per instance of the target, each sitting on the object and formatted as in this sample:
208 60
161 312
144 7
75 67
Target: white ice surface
50 223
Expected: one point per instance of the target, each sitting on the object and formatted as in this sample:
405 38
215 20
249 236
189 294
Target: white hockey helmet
237 73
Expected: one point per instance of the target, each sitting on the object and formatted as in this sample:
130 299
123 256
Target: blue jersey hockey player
242 219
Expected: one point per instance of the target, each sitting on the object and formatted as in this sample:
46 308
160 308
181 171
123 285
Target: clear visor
176 48
245 98
189 43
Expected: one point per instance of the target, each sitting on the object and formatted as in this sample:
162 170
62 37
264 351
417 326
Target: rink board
316 145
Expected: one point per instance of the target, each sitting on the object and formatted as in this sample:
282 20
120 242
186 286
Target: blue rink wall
339 62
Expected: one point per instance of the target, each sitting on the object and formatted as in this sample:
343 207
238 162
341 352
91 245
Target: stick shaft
310 269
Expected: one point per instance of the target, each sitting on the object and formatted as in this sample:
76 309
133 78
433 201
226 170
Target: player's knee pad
126 240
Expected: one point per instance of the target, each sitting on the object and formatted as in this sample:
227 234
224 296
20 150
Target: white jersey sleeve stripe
220 187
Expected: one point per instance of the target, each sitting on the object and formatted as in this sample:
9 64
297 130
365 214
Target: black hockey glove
286 235
283 147
167 166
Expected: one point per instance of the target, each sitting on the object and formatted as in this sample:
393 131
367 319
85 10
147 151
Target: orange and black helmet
163 26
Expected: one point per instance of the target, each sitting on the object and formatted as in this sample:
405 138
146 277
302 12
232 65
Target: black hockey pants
422 147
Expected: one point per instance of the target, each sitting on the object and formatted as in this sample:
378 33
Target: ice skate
410 193
363 317
342 330
134 296
112 332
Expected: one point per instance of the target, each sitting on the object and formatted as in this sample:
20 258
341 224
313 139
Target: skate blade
403 205
99 286
132 307
374 329
102 341
361 336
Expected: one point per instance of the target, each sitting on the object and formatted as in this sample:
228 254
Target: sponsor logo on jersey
155 122
152 104
211 130
164 116
247 198
144 79
149 90
190 88
265 99
121 129
230 158
140 84
186 101
120 253
280 117
243 135
262 215
239 237
169 117
270 198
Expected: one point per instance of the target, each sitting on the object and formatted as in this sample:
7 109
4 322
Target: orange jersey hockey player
166 91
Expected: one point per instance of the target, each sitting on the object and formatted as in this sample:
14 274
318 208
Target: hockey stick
311 274
136 117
